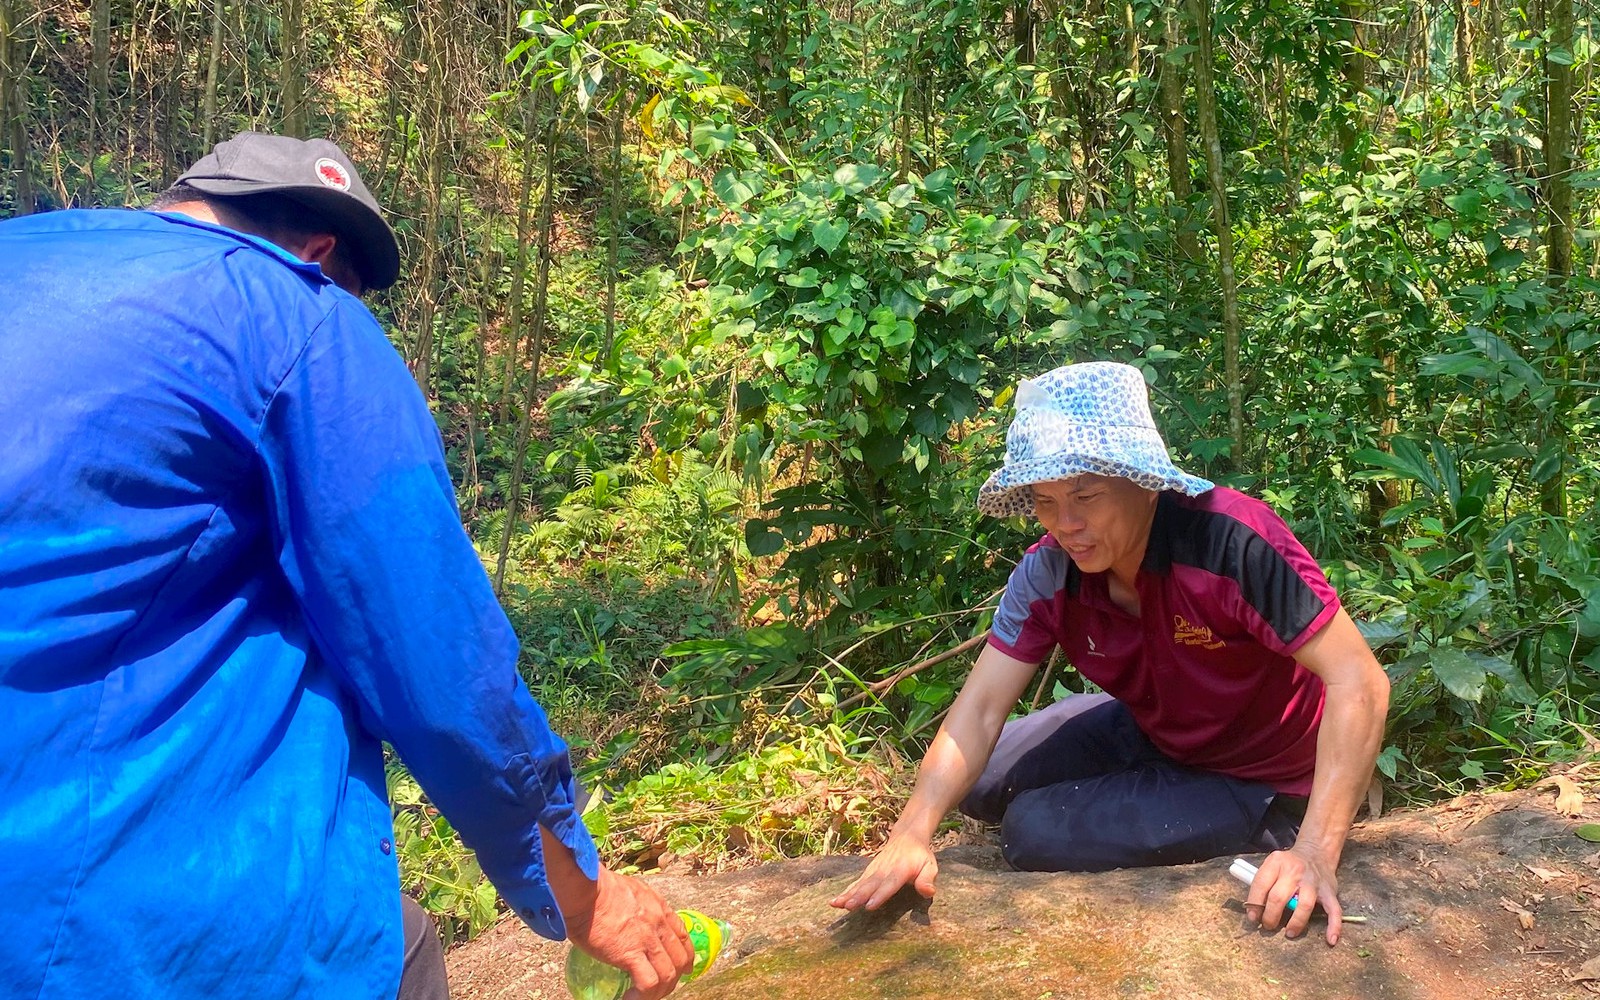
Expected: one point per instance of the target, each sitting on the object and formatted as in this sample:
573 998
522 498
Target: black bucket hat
314 172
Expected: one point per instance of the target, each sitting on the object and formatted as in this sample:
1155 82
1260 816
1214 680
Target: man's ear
317 248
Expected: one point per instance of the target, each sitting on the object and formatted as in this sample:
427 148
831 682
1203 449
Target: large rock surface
1487 896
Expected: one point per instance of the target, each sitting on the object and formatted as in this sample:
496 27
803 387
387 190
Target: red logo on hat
333 174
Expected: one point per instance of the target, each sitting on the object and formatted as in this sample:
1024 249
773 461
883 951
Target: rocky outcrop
1487 896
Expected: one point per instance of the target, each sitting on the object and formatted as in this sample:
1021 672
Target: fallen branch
878 687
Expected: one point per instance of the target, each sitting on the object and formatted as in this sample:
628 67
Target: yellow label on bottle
707 936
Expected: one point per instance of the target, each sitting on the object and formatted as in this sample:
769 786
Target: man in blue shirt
230 565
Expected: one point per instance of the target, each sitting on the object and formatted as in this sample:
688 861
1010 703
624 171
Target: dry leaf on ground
1525 919
1569 800
1589 972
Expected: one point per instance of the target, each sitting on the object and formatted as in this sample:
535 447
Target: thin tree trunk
99 90
1558 229
1087 101
1464 50
208 110
14 105
1558 141
613 240
519 271
434 135
1206 98
1355 78
1171 72
292 68
1491 26
535 347
1022 32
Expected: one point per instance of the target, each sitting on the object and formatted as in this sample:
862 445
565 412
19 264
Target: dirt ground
1487 896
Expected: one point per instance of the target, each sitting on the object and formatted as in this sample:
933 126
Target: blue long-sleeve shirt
230 565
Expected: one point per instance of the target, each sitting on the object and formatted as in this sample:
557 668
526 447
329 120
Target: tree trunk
1355 79
99 92
292 68
519 271
1022 32
613 238
535 347
1171 73
1558 228
1464 51
1206 98
1087 100
208 110
1558 140
434 133
14 106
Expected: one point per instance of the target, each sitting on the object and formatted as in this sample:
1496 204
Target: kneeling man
1242 709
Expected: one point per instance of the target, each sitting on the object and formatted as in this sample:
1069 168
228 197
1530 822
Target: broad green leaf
829 234
1410 454
857 177
1517 687
1460 674
1550 461
1382 633
1505 259
761 540
732 189
1389 761
1589 832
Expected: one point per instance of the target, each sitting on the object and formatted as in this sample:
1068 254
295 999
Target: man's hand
621 921
903 859
1295 872
631 927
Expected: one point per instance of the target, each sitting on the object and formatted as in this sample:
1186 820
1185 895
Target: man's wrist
916 824
575 893
1318 850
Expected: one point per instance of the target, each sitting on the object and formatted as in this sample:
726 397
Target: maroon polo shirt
1227 594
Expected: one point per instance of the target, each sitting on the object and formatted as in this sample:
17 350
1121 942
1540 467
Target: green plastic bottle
591 979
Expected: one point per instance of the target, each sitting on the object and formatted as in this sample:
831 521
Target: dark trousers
422 970
1078 787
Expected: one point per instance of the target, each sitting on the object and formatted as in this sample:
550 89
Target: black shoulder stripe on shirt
1219 544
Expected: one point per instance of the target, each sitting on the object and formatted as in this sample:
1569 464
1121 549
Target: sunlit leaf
1460 674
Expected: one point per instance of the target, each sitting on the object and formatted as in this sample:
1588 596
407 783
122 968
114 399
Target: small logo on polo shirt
1193 635
1092 650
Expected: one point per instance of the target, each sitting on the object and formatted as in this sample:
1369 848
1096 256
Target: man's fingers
925 878
680 950
1303 907
857 893
883 893
1335 912
1277 903
654 976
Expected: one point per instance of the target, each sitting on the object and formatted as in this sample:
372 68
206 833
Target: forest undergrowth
720 308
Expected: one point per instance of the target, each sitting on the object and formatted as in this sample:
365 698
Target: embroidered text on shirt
1193 635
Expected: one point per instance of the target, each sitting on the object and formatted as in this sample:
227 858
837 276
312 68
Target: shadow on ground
1486 896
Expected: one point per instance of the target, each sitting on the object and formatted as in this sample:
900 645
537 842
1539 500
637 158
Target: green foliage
842 236
809 791
869 306
437 869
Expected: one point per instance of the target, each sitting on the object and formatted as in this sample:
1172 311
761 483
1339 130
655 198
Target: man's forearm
1347 748
962 746
948 772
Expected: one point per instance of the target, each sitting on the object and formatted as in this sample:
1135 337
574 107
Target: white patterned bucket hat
1089 417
